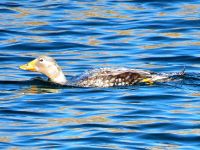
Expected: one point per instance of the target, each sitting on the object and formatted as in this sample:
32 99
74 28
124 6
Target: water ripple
152 35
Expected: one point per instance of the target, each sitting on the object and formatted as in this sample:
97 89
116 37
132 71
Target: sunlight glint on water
155 35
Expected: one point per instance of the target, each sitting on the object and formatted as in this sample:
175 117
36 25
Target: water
152 35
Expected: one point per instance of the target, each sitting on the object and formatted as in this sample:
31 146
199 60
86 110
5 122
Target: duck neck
57 76
60 78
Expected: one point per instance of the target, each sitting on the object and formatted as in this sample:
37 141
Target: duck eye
41 60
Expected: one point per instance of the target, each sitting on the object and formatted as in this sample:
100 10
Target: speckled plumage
108 77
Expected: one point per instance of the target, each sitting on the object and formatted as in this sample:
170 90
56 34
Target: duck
102 77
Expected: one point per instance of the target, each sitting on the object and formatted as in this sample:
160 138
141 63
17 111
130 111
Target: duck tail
165 77
178 74
182 72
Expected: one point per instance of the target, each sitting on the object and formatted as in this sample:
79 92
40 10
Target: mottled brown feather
105 79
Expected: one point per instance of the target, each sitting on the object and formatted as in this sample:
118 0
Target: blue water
160 36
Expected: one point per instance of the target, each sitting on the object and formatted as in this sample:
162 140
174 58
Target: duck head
47 66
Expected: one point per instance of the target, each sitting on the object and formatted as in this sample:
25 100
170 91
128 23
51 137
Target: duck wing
106 77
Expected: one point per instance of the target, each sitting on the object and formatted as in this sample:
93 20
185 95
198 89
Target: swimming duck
103 77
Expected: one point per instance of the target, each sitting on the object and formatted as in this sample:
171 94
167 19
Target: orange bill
31 66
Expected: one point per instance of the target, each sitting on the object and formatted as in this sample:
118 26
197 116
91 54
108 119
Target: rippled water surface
160 36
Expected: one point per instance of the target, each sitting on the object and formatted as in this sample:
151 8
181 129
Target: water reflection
40 90
174 44
84 120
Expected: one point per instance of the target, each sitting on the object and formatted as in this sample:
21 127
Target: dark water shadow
35 86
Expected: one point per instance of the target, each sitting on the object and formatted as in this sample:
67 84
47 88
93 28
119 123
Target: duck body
109 77
103 77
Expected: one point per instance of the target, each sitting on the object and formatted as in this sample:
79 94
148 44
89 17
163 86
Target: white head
48 66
